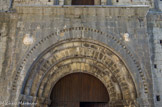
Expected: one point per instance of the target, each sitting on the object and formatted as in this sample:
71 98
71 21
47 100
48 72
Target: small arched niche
83 2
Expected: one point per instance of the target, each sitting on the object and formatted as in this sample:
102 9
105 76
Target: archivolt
79 55
73 29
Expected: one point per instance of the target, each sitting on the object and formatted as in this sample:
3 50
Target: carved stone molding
74 49
78 55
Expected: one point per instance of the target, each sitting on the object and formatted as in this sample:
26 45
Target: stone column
124 103
43 102
35 101
26 100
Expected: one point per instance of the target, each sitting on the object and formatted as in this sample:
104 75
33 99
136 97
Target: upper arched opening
83 2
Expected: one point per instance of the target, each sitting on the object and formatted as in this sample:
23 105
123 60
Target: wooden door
82 2
91 104
75 88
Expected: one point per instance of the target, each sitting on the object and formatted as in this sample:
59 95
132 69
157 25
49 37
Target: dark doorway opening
79 87
82 2
93 104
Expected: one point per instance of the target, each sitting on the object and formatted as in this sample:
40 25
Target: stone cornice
99 10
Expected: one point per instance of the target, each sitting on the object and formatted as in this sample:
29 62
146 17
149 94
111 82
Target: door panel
65 104
86 104
78 87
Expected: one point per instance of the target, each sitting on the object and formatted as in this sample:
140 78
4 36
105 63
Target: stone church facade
119 42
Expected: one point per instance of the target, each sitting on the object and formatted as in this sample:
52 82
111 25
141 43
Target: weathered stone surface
4 5
155 31
96 2
80 32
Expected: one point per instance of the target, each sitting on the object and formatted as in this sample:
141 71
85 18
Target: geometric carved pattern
15 84
118 42
79 55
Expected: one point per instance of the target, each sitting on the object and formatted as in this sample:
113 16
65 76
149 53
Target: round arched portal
79 90
79 55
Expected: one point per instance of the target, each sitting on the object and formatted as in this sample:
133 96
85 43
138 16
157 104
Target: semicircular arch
83 34
81 55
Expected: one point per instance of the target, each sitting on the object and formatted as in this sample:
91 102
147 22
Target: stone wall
30 25
155 32
7 58
4 5
132 2
97 2
33 2
160 4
